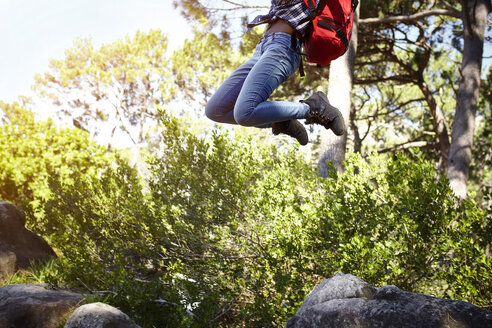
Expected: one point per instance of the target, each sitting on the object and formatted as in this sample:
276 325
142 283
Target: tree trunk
474 21
332 148
439 124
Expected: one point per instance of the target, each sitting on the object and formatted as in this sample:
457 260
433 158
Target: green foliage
398 111
202 64
393 222
236 233
37 273
33 152
116 86
481 166
373 8
408 70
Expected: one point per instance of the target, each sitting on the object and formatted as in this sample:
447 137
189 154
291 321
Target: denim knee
210 110
217 110
243 113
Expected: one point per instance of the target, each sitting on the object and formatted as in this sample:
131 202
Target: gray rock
34 306
8 264
17 243
346 301
99 315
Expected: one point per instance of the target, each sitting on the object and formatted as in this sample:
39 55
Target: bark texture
474 21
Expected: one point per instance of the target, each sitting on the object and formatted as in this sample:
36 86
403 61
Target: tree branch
236 6
447 5
398 78
397 108
242 5
408 145
411 18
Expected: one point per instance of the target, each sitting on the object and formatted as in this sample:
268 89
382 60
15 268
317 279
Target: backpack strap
338 31
321 5
315 10
355 3
294 38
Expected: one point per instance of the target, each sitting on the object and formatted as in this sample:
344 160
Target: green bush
234 233
32 152
395 221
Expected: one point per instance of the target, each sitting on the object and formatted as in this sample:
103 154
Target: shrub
33 152
233 233
395 221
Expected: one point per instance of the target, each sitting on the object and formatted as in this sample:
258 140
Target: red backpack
330 30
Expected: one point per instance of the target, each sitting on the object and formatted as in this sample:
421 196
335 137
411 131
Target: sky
32 31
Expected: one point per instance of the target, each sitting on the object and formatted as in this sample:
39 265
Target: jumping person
243 97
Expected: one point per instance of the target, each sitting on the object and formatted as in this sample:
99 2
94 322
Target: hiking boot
293 128
321 112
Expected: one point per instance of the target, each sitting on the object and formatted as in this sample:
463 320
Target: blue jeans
242 98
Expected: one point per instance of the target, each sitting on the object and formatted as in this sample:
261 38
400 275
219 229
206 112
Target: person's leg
277 63
220 106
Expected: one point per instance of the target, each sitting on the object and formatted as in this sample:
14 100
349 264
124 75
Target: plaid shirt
292 11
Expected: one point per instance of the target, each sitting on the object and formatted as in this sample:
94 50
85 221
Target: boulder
346 301
34 306
99 315
19 246
8 264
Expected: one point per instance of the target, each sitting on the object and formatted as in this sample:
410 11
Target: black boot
321 112
293 128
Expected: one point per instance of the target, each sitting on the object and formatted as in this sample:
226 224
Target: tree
404 45
33 152
411 53
120 84
340 94
202 64
481 166
457 152
210 14
474 21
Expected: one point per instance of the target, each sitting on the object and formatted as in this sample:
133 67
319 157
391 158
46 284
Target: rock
346 301
8 264
99 315
34 306
17 243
